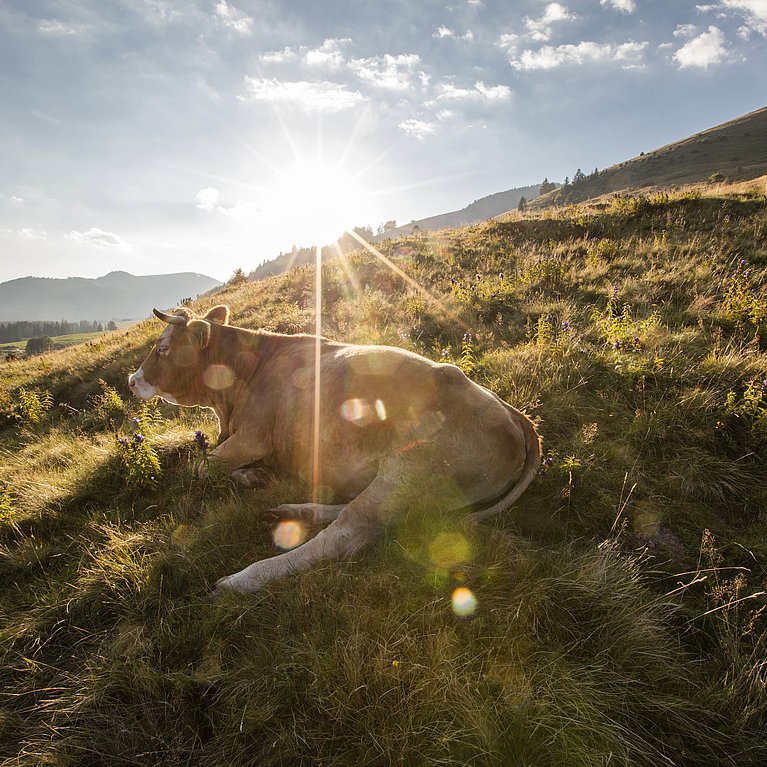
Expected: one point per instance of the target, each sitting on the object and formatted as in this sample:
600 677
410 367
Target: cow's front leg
357 525
244 459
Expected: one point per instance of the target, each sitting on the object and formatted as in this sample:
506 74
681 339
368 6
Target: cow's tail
483 510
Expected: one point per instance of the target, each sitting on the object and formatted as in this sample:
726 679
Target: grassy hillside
620 608
733 151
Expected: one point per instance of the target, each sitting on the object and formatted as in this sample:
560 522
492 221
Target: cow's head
175 368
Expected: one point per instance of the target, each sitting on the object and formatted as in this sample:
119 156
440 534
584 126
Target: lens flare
218 377
449 550
464 603
357 411
289 534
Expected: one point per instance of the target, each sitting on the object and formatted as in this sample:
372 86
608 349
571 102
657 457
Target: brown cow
384 414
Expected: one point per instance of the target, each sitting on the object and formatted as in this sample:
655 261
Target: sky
158 136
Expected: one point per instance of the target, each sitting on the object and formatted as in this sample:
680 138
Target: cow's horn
171 319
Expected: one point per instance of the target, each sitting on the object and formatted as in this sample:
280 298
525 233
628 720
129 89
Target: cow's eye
163 351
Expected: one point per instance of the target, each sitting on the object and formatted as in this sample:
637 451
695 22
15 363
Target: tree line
18 331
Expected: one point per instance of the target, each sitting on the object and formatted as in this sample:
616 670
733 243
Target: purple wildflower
134 423
201 441
566 326
123 441
467 338
445 353
616 344
138 438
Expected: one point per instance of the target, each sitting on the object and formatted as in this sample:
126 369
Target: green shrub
30 405
139 462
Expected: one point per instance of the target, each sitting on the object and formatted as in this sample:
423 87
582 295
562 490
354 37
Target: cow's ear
219 314
200 331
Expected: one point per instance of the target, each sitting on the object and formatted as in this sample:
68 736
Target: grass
619 614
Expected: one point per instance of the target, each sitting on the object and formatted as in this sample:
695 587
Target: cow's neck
234 357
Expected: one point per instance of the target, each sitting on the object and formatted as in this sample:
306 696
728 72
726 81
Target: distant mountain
479 210
733 151
115 296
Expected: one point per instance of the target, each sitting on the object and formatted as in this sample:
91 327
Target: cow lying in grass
384 413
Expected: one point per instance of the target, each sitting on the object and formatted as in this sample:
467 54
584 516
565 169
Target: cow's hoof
251 476
283 512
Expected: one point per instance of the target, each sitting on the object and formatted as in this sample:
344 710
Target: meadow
617 612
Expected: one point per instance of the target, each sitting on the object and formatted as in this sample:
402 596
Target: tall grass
615 616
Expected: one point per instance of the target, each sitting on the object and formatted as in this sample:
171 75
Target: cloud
55 28
755 12
703 51
685 30
233 19
443 32
165 11
624 6
629 55
540 29
417 128
328 55
390 72
31 234
310 96
98 237
480 92
207 199
278 57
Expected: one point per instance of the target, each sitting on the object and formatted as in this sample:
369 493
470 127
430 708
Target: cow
376 415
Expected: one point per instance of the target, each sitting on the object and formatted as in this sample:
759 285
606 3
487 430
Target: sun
316 202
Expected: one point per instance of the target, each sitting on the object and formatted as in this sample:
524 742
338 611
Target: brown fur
383 411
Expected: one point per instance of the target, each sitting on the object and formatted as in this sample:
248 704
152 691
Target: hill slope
620 605
735 150
117 295
480 210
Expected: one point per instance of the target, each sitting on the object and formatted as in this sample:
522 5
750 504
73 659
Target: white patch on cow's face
140 387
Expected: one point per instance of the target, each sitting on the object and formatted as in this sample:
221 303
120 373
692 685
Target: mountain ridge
116 295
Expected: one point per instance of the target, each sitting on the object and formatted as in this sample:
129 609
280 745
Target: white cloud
703 51
757 8
98 237
540 29
480 92
233 19
310 96
443 32
31 234
278 57
629 55
55 28
508 43
755 12
685 30
395 73
494 92
417 128
328 55
207 199
624 6
160 10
